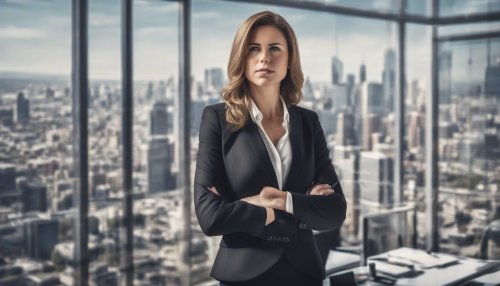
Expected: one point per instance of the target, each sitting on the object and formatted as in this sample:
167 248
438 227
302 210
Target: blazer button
302 225
343 200
270 238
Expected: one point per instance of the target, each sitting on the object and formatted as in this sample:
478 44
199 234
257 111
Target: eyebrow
268 45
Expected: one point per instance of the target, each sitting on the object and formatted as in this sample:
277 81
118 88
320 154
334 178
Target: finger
320 187
323 191
213 190
327 191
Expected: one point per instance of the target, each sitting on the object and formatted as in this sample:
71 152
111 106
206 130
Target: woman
263 175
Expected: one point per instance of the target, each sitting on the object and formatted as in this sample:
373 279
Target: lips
264 71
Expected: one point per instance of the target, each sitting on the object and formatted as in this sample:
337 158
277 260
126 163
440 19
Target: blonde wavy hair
236 94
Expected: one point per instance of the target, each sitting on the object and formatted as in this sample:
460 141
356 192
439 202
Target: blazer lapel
251 131
296 141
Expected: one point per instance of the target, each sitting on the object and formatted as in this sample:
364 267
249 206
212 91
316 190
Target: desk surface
433 276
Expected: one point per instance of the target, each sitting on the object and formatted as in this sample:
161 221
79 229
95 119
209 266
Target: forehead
265 34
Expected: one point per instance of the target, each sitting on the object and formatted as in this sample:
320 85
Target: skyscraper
49 93
362 73
492 82
372 98
41 236
159 162
350 85
7 178
214 79
345 129
158 122
416 129
389 79
371 125
337 70
307 90
23 108
444 77
149 91
340 97
347 167
376 179
35 197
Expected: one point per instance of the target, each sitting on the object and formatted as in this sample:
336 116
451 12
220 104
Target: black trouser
283 273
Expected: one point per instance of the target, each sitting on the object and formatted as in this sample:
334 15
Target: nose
264 56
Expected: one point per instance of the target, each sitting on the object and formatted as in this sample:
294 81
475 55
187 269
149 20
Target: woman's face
268 49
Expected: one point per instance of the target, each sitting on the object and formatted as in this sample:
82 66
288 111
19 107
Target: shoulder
307 115
219 108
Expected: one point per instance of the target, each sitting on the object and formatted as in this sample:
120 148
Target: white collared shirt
281 155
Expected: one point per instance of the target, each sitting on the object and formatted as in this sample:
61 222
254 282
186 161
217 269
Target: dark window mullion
80 137
127 141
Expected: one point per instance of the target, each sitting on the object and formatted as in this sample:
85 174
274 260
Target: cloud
169 8
20 33
207 14
153 30
60 19
102 20
29 2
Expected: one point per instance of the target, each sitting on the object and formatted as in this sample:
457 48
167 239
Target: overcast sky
35 36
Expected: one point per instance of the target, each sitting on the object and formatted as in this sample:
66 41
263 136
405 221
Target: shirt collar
257 115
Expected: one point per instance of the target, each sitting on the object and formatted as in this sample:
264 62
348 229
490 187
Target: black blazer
238 165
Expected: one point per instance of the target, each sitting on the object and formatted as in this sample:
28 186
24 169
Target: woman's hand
273 198
323 189
213 190
254 200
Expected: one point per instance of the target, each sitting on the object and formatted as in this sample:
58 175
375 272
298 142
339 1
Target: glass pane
158 216
469 96
450 30
418 7
418 74
387 6
358 117
105 146
350 81
37 177
457 7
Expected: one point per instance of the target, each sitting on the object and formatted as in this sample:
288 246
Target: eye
277 49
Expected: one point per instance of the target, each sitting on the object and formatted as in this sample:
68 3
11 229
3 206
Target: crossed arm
272 198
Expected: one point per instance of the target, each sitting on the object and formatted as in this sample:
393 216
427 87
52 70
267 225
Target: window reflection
468 146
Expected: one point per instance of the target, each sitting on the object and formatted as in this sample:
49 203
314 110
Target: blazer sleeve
321 212
216 215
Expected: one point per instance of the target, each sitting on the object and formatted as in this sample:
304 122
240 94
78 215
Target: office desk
466 268
491 279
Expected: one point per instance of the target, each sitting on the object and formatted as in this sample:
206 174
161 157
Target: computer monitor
389 230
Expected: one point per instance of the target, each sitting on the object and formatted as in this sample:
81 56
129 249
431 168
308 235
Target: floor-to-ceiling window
157 200
36 140
468 143
353 79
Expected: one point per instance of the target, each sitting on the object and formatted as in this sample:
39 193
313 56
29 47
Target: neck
267 99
